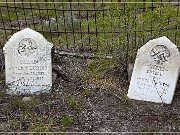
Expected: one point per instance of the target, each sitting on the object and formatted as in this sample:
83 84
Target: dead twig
83 56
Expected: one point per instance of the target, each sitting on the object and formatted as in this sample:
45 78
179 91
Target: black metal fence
115 28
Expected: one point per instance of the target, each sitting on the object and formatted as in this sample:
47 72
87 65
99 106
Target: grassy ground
83 104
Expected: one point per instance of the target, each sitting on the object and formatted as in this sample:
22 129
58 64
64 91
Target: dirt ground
77 103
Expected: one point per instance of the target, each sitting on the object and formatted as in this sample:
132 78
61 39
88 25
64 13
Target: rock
130 70
3 117
42 108
26 99
54 76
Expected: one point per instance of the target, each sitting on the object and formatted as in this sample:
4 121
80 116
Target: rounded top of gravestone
159 41
29 34
159 51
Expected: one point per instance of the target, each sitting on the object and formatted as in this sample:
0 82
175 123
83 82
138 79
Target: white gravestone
28 63
155 72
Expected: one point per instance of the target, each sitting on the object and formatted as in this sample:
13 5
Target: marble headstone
28 64
155 72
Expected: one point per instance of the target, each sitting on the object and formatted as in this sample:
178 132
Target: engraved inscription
28 75
156 70
153 81
160 53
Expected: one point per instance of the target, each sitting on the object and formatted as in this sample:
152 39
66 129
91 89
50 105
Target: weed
126 109
2 95
97 68
49 103
123 98
17 103
14 125
73 103
86 92
146 129
66 120
39 127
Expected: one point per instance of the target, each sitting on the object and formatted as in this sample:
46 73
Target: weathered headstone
155 72
28 63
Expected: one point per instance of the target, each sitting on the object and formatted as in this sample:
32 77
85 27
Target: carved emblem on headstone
27 47
160 53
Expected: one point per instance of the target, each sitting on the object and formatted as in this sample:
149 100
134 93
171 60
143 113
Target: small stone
26 99
3 117
130 70
54 76
41 108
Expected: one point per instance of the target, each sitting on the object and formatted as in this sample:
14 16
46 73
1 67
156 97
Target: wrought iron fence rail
95 32
105 9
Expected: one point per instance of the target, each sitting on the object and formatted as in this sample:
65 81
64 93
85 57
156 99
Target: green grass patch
66 120
73 103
